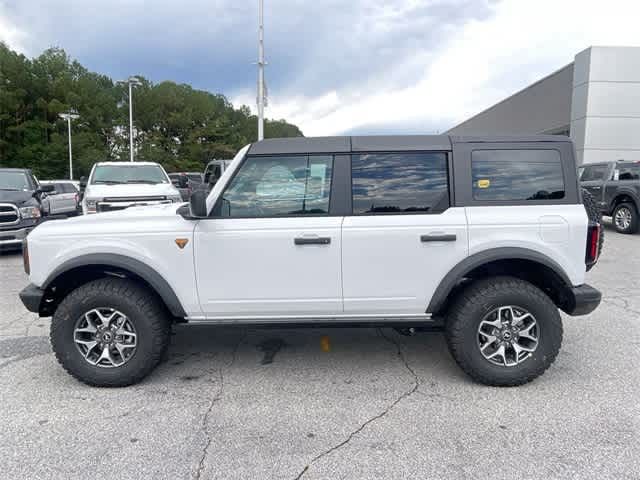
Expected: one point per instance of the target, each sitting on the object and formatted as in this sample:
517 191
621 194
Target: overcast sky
335 66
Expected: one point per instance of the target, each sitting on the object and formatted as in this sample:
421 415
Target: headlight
175 198
91 204
30 212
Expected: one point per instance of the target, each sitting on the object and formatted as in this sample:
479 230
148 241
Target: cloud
363 66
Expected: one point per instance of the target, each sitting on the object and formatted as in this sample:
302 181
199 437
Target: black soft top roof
383 143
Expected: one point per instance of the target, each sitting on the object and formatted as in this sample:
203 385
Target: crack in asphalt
407 394
624 306
215 399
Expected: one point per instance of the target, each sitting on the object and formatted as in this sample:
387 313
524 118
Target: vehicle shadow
196 351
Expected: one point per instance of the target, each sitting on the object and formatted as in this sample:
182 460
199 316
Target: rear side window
399 183
629 171
517 175
592 173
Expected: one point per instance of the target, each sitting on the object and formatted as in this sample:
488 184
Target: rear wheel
625 218
111 332
503 331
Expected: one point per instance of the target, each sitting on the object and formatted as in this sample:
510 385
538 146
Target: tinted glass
279 186
629 171
517 175
399 182
593 172
129 174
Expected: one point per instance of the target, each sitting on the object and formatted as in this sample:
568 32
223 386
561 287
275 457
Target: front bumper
31 297
582 300
13 238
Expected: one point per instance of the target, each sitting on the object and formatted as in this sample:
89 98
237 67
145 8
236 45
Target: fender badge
182 242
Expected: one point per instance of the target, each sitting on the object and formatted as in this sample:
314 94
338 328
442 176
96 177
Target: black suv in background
21 205
616 189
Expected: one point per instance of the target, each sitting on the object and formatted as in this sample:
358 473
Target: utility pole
133 82
71 115
261 64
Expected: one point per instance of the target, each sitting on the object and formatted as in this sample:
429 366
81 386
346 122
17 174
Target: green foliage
177 126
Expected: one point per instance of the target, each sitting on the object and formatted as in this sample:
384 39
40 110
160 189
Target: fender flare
144 271
629 192
476 260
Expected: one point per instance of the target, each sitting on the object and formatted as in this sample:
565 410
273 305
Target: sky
334 66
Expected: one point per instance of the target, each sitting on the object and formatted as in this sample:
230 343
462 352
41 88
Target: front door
403 237
271 249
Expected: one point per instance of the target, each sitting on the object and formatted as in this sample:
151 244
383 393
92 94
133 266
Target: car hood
17 198
130 190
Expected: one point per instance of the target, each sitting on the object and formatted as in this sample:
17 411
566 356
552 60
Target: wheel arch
85 268
522 263
625 196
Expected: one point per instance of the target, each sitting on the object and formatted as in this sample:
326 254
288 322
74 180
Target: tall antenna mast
261 65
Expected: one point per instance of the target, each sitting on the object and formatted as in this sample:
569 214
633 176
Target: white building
595 100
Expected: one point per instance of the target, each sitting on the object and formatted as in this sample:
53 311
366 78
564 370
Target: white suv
486 238
120 185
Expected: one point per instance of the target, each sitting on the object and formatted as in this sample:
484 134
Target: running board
320 320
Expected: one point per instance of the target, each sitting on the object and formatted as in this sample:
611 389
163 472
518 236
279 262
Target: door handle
438 237
312 240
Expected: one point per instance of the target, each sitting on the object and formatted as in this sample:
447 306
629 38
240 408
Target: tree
175 125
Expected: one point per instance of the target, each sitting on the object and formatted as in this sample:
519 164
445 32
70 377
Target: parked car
616 188
66 199
186 182
214 170
21 205
486 238
119 185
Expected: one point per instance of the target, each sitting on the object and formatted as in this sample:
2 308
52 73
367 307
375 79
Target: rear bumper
31 297
582 300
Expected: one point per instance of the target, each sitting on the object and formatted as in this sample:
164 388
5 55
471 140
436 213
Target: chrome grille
8 214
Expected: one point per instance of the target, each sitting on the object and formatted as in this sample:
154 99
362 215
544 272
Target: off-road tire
143 308
633 226
480 298
595 215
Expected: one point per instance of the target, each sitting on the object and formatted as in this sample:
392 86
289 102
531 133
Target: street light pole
261 65
133 82
68 117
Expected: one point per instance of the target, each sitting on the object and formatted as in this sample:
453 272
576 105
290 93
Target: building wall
544 107
605 119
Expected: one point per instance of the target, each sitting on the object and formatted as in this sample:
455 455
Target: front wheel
625 218
110 332
503 331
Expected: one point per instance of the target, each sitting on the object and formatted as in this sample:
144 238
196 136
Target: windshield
14 181
110 174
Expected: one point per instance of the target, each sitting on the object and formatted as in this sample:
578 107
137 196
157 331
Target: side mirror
47 188
198 204
183 182
83 183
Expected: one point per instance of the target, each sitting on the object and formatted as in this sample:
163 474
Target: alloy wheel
508 335
105 337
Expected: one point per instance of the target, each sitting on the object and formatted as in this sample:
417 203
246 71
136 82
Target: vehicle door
403 236
271 246
625 179
593 178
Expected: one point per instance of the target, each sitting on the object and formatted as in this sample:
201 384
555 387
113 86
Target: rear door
271 248
403 236
593 178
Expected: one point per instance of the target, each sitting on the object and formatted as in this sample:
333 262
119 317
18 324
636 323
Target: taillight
593 242
25 256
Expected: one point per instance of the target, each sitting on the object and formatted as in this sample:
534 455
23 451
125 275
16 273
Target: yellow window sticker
484 183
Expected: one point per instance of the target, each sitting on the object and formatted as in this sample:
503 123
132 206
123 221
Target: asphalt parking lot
252 404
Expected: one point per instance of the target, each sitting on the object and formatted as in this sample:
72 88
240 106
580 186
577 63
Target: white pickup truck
486 238
119 185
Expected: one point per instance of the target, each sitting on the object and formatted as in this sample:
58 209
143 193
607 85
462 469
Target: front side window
114 174
590 173
278 186
399 183
517 175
